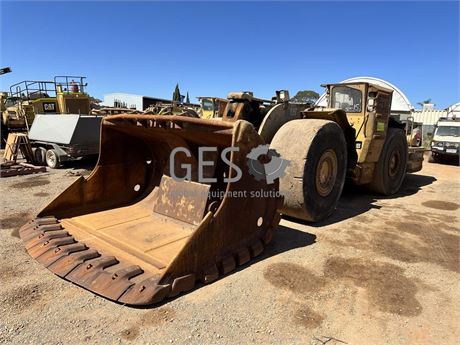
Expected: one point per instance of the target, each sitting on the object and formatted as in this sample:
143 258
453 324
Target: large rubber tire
390 170
314 179
40 156
52 159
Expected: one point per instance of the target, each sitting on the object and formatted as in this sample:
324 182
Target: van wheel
40 156
390 170
52 159
314 178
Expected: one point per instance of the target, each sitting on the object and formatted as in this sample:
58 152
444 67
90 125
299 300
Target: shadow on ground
86 163
357 200
454 160
284 239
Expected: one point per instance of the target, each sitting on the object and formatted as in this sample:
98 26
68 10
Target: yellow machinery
64 95
212 107
134 233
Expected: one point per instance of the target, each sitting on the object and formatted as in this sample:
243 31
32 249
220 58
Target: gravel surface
379 271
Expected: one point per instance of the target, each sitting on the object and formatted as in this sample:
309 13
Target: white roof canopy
400 102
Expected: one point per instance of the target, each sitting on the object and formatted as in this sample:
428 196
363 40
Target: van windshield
346 98
451 131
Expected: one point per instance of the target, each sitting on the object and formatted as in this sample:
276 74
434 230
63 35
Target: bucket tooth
113 285
228 264
84 274
36 230
210 274
45 236
66 264
52 256
182 284
147 292
243 256
49 245
256 248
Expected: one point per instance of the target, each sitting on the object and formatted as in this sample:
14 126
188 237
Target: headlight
457 145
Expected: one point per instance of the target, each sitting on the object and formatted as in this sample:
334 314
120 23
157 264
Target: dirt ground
380 271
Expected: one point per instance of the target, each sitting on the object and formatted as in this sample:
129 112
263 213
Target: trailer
59 138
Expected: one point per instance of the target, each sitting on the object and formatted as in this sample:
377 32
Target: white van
446 139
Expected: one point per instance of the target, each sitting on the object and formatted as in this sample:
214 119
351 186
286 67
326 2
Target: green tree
187 99
94 102
305 96
422 103
176 94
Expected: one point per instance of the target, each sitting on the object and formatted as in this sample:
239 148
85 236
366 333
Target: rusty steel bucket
133 234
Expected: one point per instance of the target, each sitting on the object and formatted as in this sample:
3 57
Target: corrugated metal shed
454 110
428 117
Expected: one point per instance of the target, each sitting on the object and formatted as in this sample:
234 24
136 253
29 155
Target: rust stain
157 316
31 183
293 277
130 334
441 205
388 289
23 297
41 194
14 220
427 243
307 317
8 272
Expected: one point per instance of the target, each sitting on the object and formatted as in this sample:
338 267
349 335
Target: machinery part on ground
52 159
134 234
315 177
390 170
10 168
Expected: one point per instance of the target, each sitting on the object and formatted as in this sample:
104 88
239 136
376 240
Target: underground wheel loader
135 234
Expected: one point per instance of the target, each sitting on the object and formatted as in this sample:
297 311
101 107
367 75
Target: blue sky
214 48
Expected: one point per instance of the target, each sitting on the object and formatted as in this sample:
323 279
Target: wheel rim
394 163
51 159
326 173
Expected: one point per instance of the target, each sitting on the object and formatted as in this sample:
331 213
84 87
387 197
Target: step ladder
18 143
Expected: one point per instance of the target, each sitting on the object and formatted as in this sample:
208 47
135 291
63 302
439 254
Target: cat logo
49 107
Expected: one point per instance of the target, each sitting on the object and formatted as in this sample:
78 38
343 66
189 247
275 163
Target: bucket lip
171 118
